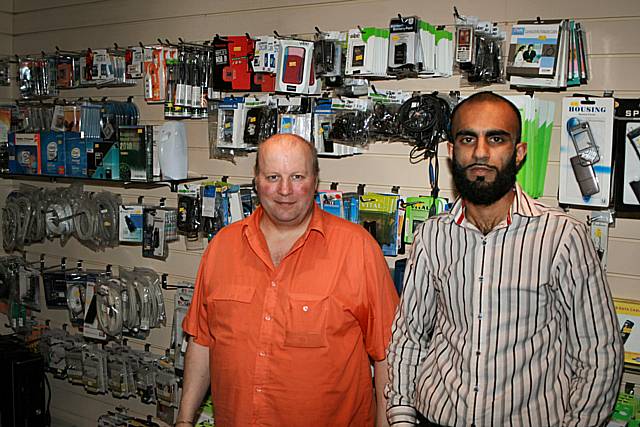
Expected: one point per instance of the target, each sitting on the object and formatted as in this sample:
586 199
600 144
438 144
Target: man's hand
196 382
381 378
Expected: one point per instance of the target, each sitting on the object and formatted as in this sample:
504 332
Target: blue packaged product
76 150
24 153
52 153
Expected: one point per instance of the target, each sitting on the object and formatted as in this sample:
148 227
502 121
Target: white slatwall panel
613 30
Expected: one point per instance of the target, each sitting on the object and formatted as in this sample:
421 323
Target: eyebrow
489 132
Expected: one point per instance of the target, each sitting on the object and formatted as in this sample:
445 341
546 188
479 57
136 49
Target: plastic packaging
173 150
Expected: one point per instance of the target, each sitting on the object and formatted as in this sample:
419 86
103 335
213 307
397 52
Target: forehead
285 153
482 115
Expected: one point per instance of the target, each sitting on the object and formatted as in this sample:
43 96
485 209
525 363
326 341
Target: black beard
480 192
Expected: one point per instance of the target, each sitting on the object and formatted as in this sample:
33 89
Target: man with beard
506 317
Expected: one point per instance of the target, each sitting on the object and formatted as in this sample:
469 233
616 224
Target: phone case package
626 141
586 152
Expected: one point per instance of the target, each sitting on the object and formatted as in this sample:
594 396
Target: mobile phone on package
586 177
464 46
584 143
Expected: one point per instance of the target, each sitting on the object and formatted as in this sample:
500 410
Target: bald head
288 143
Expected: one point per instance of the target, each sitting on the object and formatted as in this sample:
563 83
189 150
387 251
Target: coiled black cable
425 120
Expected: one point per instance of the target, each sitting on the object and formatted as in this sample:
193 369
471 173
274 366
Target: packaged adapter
131 223
367 52
405 54
586 151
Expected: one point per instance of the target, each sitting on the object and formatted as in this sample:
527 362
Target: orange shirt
291 345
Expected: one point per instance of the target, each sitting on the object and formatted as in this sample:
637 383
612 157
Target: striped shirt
512 328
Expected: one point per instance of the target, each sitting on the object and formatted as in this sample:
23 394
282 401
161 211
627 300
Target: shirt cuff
402 415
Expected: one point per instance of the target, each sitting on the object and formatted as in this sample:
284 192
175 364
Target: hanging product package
379 216
173 150
351 123
586 151
627 152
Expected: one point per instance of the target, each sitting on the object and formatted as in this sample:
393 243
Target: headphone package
385 121
351 123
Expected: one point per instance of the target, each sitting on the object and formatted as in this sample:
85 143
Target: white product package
173 150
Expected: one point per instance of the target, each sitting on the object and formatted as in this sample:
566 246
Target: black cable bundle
350 127
384 121
424 119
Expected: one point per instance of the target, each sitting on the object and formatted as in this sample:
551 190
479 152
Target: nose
284 187
481 151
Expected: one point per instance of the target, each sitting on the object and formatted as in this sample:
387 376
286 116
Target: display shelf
171 183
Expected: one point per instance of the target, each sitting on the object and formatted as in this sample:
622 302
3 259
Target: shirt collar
522 205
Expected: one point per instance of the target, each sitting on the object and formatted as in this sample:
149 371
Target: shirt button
480 316
258 389
477 353
267 317
476 388
273 284
305 308
262 354
481 278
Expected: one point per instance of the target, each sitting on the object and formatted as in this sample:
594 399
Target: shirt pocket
228 308
306 321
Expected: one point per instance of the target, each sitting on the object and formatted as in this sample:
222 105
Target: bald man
292 307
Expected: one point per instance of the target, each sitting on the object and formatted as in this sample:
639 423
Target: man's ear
521 152
450 149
